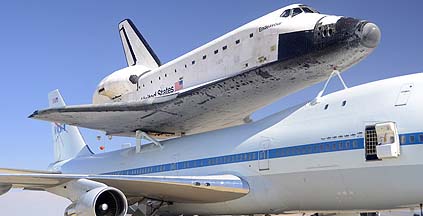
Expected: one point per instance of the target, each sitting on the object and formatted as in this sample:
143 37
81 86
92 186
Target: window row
192 164
411 138
282 152
295 11
316 148
204 57
342 136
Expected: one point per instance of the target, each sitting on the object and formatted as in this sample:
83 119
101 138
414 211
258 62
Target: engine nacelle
4 188
101 201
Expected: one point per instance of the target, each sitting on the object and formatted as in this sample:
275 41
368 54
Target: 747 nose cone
370 36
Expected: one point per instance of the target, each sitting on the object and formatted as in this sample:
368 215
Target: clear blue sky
72 45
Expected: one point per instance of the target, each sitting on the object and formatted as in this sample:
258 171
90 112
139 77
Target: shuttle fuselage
258 63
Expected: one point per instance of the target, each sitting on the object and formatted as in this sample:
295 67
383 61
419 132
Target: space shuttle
221 83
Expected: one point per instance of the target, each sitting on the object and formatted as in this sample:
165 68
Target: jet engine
4 188
101 201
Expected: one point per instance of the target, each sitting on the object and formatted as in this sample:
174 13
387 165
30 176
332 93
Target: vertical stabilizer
137 50
68 141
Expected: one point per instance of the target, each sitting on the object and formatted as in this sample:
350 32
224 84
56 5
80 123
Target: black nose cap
370 35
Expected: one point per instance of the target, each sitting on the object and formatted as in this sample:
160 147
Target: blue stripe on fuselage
315 148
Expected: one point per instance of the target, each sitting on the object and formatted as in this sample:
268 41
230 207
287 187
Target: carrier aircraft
221 83
351 151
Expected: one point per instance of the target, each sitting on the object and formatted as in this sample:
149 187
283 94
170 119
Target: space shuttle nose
370 35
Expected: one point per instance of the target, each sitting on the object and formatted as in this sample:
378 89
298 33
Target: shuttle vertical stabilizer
137 50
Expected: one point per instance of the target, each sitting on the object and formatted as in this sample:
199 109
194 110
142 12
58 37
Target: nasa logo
58 128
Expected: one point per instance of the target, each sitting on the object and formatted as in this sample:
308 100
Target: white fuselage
306 158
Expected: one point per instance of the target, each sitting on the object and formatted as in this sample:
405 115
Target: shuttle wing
210 106
192 189
198 109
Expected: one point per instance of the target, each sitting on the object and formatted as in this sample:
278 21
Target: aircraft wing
21 171
198 109
192 189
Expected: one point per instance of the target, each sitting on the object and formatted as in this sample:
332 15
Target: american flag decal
179 85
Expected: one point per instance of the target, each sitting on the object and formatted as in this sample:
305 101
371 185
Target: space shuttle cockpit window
286 13
296 11
308 9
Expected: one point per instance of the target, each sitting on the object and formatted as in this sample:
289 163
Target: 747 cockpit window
286 13
296 11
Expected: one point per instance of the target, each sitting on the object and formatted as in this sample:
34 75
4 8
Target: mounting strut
140 135
338 74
